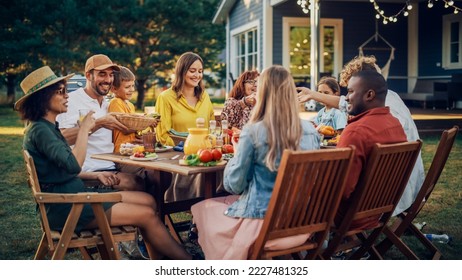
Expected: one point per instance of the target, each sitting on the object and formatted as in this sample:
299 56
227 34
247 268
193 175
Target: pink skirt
226 238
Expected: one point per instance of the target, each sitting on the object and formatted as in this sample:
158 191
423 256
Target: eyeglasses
252 82
61 91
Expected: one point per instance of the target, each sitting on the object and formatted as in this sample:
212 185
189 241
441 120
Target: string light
447 4
380 14
305 5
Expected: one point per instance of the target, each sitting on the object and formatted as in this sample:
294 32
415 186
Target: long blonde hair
277 107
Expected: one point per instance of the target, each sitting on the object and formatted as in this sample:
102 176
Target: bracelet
245 103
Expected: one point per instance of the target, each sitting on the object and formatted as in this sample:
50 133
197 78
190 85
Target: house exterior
426 43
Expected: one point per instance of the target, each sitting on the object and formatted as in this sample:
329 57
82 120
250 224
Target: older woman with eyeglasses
241 100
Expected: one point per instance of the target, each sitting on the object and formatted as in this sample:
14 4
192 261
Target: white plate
164 149
143 159
227 156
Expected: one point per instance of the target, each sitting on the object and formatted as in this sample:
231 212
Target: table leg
162 181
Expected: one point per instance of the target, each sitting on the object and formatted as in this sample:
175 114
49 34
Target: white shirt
99 141
400 111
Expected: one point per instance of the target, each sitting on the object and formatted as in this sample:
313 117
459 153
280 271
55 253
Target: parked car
76 82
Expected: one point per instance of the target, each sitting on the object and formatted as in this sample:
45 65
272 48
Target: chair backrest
382 184
34 184
378 190
305 198
439 161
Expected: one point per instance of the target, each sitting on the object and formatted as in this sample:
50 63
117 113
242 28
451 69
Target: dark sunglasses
61 91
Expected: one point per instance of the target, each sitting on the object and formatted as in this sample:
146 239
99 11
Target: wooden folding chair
305 199
404 220
55 243
376 195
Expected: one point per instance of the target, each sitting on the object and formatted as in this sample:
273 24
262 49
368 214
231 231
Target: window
452 41
244 49
297 47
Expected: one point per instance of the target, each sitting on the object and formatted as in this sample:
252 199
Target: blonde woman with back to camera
228 226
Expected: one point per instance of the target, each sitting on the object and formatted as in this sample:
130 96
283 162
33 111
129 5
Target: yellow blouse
177 114
121 106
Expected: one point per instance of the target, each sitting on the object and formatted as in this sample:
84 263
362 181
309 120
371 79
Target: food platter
221 162
143 158
163 149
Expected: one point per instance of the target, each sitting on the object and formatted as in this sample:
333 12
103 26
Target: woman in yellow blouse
180 105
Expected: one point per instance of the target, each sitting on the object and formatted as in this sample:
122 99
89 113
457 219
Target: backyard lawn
20 227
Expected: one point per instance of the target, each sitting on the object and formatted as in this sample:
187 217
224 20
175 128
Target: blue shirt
334 117
246 174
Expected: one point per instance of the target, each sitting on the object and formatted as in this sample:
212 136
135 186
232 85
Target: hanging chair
377 36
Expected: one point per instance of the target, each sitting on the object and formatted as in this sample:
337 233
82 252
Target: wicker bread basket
134 121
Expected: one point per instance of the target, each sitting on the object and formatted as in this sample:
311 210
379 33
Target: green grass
20 226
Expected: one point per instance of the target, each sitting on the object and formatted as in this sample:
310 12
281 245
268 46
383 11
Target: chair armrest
88 197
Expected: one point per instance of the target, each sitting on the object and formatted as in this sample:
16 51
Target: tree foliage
145 35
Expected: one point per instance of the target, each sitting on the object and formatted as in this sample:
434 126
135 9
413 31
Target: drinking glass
149 139
83 113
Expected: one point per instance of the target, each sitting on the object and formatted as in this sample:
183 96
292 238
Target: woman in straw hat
58 166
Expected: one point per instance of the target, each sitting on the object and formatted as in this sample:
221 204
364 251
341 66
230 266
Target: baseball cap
100 62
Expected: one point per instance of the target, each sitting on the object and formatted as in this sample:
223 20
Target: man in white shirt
397 108
99 73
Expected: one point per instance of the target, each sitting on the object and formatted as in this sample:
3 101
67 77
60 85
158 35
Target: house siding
359 24
356 30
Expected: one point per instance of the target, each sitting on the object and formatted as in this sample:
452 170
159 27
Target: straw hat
37 80
100 62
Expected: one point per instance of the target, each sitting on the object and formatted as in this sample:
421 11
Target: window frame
234 51
446 50
289 22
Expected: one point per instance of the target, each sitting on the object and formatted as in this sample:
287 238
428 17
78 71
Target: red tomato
216 154
228 149
205 156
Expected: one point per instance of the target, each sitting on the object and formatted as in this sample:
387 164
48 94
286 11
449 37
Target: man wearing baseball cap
99 74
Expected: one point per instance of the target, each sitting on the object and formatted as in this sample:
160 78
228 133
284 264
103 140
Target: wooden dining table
165 166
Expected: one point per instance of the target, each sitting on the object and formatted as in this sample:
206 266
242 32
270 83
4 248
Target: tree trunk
10 92
140 88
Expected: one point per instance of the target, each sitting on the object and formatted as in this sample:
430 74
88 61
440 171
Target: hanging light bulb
430 4
409 7
405 14
450 2
385 21
456 11
377 16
